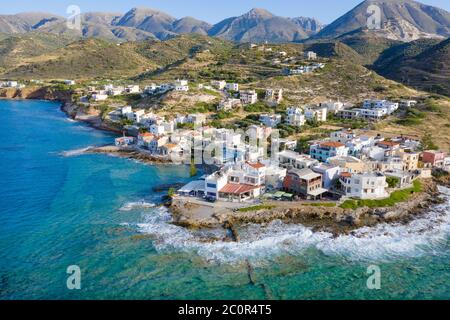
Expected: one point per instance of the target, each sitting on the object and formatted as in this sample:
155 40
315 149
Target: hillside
422 64
92 58
21 48
403 20
367 43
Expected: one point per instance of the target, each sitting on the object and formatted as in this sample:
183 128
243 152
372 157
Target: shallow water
62 208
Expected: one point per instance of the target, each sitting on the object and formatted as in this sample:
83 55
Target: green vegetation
185 126
428 143
257 107
193 169
319 204
202 107
439 173
394 198
126 98
392 181
256 208
432 105
90 58
413 117
224 115
171 193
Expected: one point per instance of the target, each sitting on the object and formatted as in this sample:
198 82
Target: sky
211 11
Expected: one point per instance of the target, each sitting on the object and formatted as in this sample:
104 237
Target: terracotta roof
346 174
170 145
146 134
234 188
388 143
332 144
257 165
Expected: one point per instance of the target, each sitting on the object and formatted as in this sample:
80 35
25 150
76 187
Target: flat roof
317 192
235 188
195 185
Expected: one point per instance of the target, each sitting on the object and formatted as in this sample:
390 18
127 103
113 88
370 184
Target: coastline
321 218
333 219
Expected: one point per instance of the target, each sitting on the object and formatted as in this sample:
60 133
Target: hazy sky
211 11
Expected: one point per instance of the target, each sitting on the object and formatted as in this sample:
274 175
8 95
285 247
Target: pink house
434 158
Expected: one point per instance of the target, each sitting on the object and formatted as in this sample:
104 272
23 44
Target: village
252 164
348 164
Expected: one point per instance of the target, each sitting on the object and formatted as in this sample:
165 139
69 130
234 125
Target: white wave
76 152
427 234
136 205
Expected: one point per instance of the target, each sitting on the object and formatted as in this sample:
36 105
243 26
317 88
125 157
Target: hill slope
403 20
423 64
92 58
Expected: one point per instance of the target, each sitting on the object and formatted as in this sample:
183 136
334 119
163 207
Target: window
211 185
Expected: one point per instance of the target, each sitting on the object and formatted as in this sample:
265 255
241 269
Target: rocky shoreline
128 153
335 220
321 218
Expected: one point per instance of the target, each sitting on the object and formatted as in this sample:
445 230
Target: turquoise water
59 209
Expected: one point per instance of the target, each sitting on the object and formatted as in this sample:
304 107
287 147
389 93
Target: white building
126 110
333 107
274 96
228 104
69 82
11 84
197 119
218 84
157 130
295 117
232 86
310 55
270 120
318 113
99 97
133 89
330 174
364 185
248 96
181 85
407 103
215 182
136 116
291 159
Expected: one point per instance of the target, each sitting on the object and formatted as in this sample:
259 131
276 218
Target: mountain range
402 20
257 25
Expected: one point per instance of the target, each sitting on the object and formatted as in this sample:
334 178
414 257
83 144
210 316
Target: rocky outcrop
332 219
38 93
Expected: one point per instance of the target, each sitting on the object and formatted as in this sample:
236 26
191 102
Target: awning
197 185
317 192
234 188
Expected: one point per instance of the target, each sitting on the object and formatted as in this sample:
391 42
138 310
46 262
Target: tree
171 193
392 181
193 169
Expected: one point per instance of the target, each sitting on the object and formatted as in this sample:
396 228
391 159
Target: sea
62 210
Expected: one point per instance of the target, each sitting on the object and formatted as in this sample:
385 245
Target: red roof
346 174
146 134
388 143
257 165
332 144
234 188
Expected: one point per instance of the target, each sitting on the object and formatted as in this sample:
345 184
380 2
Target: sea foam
427 234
